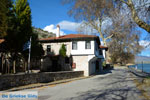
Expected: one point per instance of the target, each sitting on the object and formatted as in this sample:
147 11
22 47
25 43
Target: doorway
97 65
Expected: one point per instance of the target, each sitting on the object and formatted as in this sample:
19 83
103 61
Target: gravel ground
142 82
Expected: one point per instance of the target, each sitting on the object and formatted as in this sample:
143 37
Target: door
97 65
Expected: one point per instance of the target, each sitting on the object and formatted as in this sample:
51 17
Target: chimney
58 31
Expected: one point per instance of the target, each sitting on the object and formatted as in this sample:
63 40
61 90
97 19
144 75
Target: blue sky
46 14
50 13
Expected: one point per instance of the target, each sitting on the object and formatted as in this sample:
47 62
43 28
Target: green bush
62 51
104 64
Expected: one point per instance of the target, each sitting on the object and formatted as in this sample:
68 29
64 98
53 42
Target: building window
74 45
87 44
48 48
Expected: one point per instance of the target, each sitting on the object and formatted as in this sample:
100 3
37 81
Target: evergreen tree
62 51
23 21
20 29
16 29
6 14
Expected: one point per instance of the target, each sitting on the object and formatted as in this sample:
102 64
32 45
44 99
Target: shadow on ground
108 94
118 86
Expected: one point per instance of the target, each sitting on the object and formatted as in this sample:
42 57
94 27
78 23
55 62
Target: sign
19 95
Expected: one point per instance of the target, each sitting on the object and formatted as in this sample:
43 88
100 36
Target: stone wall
9 81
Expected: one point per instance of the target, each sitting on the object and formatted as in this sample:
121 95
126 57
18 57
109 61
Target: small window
74 45
48 48
87 44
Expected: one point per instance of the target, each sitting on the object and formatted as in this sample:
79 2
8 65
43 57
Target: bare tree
124 44
120 34
140 10
93 12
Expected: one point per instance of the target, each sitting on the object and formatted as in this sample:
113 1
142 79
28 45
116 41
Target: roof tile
69 36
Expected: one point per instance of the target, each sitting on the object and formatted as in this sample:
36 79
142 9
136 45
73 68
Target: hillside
139 59
43 34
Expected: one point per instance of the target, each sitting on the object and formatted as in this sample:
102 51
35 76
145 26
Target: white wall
81 56
55 47
81 64
81 48
104 53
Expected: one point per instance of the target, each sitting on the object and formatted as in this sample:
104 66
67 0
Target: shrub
62 51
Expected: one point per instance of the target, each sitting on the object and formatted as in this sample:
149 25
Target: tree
36 51
62 51
93 12
23 21
15 24
36 48
20 30
6 26
5 10
3 18
124 44
136 14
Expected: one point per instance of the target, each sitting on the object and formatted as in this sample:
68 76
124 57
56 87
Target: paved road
115 85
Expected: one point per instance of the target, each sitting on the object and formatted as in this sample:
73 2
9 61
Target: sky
47 14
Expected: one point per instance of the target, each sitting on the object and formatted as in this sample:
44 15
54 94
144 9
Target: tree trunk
14 66
2 63
108 58
135 17
8 67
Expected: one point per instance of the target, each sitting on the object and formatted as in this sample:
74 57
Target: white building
84 50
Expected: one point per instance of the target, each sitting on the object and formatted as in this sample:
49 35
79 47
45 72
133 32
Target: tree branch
109 37
135 17
124 2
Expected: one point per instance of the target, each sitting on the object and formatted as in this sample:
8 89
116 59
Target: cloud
64 25
68 25
52 28
75 27
144 43
148 55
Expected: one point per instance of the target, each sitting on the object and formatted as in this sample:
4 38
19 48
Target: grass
144 86
148 78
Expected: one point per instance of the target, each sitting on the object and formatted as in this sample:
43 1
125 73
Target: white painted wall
81 49
104 53
55 47
81 64
81 56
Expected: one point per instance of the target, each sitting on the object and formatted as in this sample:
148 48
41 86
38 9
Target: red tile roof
1 41
70 36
